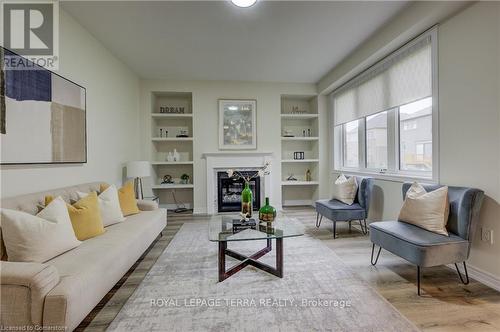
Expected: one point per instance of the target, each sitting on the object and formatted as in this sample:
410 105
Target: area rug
317 293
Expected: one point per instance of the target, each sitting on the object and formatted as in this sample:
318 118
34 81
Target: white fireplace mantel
235 153
223 160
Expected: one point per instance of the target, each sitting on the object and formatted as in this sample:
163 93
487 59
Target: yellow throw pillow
126 196
85 216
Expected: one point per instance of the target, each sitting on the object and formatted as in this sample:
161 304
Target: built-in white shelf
172 162
299 116
172 186
299 138
171 139
172 195
300 160
171 115
299 183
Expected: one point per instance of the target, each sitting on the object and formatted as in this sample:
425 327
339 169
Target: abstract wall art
237 124
43 115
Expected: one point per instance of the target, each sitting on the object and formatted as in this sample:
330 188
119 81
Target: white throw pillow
345 189
109 205
428 210
39 238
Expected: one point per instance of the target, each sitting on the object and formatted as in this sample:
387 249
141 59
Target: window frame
371 169
343 139
394 171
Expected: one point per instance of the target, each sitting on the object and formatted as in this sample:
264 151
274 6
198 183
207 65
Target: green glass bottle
267 213
246 200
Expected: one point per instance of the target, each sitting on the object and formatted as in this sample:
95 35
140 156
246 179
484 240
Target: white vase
176 155
170 156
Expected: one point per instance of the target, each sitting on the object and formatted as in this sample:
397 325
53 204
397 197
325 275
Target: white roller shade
400 78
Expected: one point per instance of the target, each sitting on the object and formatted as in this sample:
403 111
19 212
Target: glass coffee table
221 231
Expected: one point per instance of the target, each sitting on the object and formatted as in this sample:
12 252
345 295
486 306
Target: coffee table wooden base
250 260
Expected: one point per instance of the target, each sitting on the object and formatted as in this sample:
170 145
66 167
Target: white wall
469 115
112 117
206 117
407 24
469 122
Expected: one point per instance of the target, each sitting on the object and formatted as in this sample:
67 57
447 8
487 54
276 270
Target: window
384 118
416 145
351 144
376 141
409 125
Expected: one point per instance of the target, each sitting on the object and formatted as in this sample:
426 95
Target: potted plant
185 178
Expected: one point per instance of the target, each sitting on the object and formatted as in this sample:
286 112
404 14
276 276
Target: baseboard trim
174 206
297 202
483 277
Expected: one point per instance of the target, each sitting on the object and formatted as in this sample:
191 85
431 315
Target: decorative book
240 225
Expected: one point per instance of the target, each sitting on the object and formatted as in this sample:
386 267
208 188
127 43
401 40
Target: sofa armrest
146 205
24 287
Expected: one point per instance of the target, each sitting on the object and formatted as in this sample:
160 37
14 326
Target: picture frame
237 124
44 123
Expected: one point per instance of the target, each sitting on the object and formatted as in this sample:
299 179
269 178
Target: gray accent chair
425 249
337 211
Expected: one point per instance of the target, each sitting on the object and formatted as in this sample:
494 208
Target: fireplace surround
244 161
229 191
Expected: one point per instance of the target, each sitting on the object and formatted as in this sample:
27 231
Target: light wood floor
445 304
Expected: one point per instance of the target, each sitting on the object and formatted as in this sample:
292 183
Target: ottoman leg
378 254
418 280
318 221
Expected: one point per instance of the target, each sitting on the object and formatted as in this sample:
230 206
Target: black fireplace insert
229 192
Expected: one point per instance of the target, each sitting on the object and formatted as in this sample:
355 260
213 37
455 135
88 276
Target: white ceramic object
176 155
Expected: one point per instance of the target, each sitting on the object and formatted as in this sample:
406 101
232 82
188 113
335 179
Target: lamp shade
138 169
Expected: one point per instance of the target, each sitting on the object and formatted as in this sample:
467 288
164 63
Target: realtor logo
30 29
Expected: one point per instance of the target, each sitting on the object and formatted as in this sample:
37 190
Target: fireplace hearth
229 192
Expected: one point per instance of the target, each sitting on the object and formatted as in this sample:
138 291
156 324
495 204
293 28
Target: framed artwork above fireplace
237 124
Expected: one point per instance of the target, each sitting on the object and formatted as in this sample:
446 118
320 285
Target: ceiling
274 41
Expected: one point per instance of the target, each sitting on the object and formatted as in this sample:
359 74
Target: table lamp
138 170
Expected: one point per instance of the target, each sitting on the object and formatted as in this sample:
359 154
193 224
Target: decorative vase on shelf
308 175
246 200
176 155
170 157
267 213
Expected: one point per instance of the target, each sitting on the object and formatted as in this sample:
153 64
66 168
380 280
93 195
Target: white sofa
62 291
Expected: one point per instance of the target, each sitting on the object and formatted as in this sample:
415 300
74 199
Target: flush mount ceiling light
243 3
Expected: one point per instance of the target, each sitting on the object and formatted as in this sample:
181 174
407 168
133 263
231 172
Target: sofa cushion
336 210
126 196
417 245
428 210
109 205
345 189
91 270
30 238
29 203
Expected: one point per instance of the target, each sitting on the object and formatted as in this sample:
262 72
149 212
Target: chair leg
318 219
418 280
364 229
378 254
334 228
466 282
